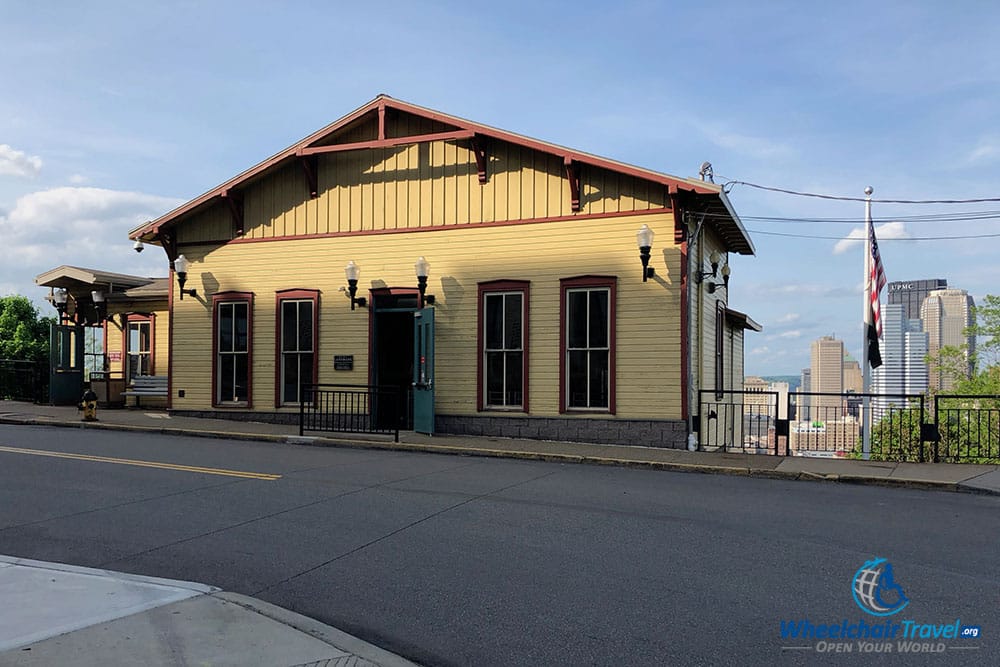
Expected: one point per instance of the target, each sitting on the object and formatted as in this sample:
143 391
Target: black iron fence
24 380
959 428
346 408
966 428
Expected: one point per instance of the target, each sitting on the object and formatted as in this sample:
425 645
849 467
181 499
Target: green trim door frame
65 364
391 348
423 371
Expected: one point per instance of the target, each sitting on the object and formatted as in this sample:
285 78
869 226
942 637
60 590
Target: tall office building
904 348
853 381
827 376
911 294
947 314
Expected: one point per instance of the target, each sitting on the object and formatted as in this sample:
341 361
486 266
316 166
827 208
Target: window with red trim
297 312
587 323
503 345
233 348
138 346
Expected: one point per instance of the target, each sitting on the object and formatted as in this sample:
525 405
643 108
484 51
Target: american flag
877 280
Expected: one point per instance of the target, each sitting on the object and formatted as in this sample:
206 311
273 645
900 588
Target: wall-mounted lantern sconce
59 298
644 239
725 280
714 258
100 305
423 269
181 269
353 272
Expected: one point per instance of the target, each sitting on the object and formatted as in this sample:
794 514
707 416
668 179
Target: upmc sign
901 287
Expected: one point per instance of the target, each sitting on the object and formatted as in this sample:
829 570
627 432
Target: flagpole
866 373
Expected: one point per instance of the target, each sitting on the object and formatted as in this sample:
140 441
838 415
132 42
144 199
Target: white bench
147 385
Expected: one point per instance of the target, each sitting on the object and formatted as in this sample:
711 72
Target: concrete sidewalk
942 476
55 614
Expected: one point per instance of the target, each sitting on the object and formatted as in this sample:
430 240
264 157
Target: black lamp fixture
423 269
714 259
644 239
181 269
100 305
59 298
353 272
725 280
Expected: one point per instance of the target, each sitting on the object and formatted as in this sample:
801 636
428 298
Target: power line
797 193
930 218
883 240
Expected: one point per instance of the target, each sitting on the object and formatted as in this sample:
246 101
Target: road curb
326 633
319 441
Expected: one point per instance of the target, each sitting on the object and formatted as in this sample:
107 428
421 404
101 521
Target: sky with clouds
112 113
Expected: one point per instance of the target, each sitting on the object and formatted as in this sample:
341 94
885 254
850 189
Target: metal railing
959 429
347 408
830 424
966 428
24 380
738 421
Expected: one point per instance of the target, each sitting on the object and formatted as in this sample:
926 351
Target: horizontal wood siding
648 322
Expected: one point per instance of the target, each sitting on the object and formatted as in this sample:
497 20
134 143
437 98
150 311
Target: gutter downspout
694 325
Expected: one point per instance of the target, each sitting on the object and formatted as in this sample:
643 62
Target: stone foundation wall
668 433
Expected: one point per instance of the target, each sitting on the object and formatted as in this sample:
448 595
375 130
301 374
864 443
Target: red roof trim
385 101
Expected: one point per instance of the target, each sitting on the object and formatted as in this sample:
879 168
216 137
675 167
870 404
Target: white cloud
888 230
18 163
78 179
78 226
788 318
744 144
763 349
794 333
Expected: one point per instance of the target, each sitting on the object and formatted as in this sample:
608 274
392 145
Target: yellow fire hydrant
89 406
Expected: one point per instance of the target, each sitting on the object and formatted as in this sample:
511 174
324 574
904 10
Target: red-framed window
502 367
587 350
138 342
296 335
232 349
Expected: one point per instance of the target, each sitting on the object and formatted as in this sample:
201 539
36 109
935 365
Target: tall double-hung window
139 346
588 344
233 348
296 362
503 336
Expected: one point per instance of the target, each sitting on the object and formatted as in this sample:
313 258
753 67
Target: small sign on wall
343 362
115 355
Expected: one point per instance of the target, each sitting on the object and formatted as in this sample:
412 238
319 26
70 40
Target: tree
953 362
24 334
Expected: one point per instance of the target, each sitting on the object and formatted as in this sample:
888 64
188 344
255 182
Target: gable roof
711 196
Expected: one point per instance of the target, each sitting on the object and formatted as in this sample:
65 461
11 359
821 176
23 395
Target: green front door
423 371
65 364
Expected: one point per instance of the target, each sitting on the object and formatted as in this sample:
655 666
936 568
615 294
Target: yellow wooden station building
502 285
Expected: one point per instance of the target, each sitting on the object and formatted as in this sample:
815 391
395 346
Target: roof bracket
235 201
479 150
310 168
573 174
168 238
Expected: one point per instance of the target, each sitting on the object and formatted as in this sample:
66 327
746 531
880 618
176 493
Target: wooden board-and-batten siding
419 186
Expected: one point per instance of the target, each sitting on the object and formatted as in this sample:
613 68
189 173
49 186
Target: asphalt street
452 560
